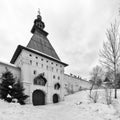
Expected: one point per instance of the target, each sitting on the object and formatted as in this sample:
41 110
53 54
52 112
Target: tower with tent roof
42 71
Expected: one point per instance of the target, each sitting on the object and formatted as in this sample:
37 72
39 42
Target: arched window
40 80
57 86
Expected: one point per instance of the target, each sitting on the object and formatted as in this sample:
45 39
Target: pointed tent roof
40 43
106 80
39 39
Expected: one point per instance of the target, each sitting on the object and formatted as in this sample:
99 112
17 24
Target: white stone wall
74 84
32 65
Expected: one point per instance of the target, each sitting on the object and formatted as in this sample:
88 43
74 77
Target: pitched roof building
42 71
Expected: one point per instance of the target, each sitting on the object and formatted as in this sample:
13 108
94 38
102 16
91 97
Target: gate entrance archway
38 97
55 98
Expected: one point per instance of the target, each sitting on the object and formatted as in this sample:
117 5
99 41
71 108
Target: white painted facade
31 65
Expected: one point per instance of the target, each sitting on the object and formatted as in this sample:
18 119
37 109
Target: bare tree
110 54
96 75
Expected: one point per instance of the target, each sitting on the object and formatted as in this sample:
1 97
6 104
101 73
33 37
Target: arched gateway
55 98
38 97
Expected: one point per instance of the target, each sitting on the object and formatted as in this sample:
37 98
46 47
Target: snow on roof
4 61
72 76
41 43
20 48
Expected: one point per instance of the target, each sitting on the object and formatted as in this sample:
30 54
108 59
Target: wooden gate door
38 97
55 98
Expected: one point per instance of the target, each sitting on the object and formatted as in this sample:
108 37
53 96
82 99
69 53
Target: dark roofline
9 64
20 48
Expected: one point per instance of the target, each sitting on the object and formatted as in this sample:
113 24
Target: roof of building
39 39
76 78
20 48
40 43
9 64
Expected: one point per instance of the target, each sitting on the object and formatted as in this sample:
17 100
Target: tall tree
11 89
18 93
96 75
6 86
110 54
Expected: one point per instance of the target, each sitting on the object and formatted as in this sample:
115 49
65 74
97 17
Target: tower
39 40
42 71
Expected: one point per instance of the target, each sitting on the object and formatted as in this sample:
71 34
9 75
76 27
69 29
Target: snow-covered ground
75 107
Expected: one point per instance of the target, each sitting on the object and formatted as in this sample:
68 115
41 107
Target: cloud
76 28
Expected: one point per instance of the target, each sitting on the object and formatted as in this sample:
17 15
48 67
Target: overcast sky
76 28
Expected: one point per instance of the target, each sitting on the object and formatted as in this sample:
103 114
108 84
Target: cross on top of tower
38 24
38 11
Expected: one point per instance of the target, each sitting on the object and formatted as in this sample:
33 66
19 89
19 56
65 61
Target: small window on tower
30 55
65 84
34 72
53 76
36 57
47 67
37 63
30 61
